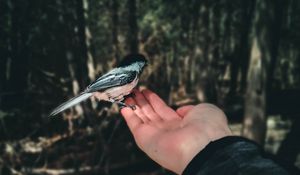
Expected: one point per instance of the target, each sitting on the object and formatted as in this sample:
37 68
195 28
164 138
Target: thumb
182 111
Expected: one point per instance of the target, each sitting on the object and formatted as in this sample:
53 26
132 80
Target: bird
112 86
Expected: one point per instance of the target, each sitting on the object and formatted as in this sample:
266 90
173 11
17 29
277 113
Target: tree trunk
133 28
115 27
254 124
262 62
280 7
244 49
85 69
4 33
81 71
240 60
18 73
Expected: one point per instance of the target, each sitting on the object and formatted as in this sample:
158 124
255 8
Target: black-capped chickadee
112 86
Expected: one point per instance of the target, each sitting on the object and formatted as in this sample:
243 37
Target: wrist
190 151
199 143
223 147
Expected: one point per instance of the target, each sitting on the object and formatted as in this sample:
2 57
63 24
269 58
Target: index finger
132 120
159 106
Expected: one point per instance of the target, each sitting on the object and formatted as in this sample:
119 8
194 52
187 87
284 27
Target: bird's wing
112 79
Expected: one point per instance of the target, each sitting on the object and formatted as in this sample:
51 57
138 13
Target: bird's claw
123 105
132 95
133 107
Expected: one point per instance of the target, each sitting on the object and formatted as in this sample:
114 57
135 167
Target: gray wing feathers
112 80
73 101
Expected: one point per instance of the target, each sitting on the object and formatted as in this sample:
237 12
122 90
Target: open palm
172 138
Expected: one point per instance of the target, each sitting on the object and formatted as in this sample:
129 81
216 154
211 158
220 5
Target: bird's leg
132 95
122 104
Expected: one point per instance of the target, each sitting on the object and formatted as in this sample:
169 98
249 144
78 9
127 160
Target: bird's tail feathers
72 102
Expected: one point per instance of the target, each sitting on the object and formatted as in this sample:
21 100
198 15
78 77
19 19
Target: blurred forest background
240 55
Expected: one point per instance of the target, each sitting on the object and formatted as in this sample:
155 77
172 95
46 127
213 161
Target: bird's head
135 62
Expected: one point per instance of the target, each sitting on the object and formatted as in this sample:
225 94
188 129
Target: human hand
173 138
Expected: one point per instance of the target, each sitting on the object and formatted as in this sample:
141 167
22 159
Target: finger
138 111
160 106
146 107
130 101
132 120
182 111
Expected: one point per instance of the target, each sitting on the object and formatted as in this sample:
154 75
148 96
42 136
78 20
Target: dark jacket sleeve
232 155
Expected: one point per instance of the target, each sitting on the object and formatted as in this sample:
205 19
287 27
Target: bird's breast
118 93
